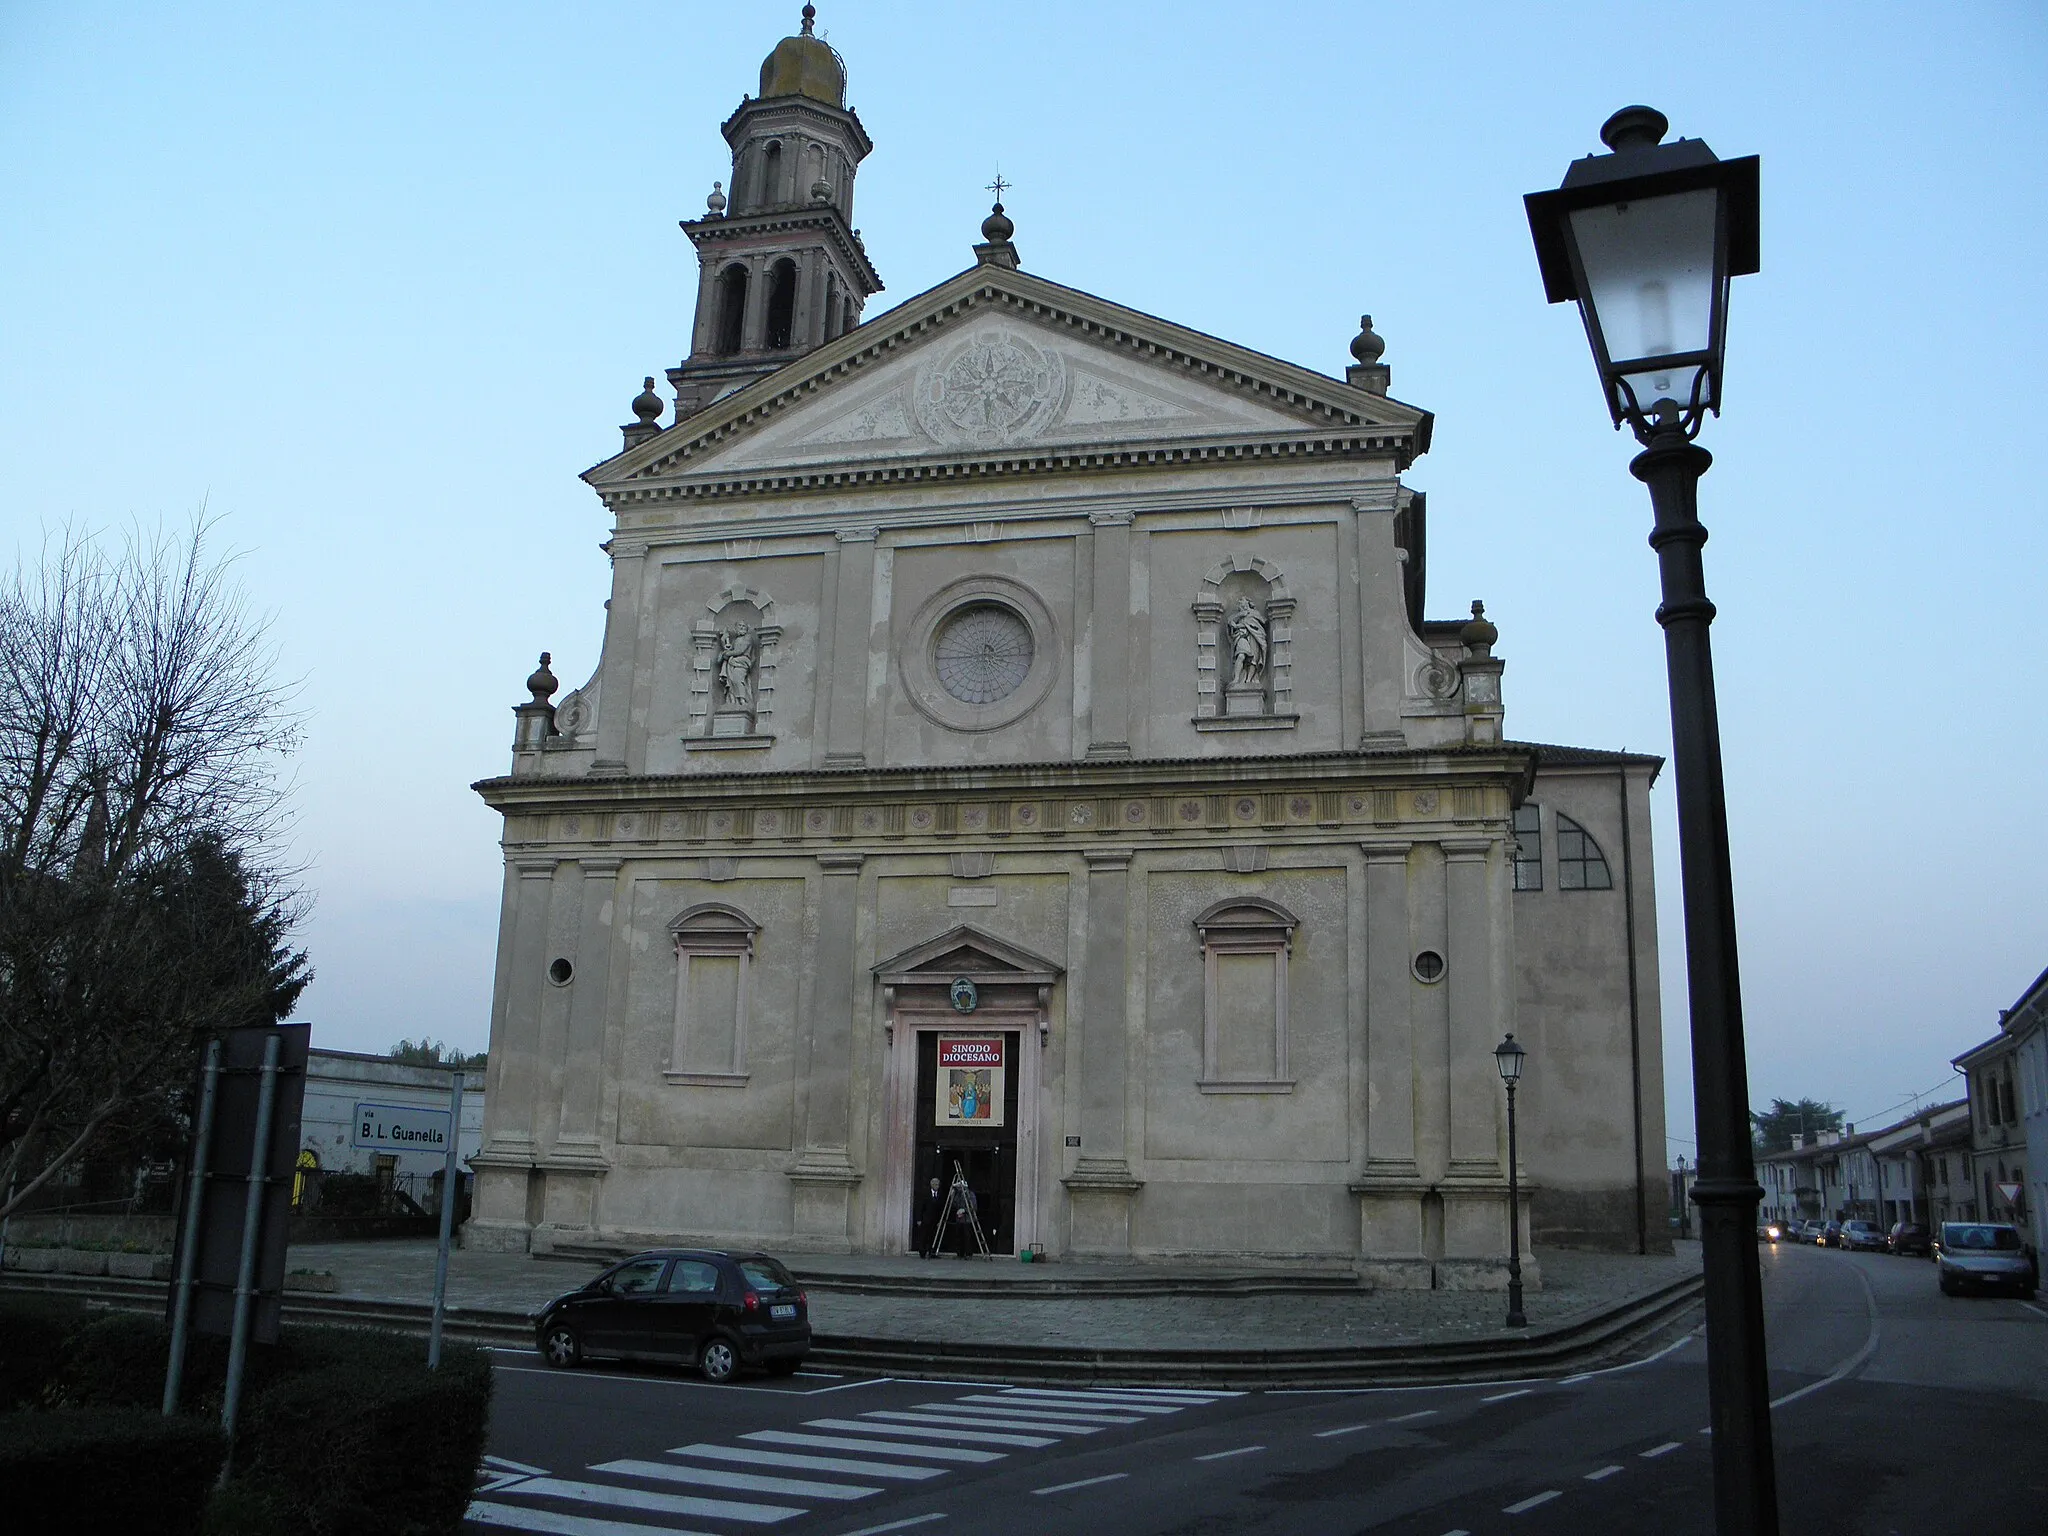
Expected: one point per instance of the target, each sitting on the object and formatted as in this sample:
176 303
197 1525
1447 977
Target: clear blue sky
373 282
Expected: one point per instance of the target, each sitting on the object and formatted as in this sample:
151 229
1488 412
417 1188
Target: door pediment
967 951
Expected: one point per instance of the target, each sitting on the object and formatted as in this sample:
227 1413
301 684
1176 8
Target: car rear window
1956 1235
764 1274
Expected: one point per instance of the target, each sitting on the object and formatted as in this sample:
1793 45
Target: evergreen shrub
87 1471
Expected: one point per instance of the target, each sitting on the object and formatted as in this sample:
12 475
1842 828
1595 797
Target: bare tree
142 902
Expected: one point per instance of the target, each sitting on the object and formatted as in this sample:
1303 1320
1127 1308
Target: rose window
982 654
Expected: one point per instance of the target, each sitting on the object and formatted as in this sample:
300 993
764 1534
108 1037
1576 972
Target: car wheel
560 1347
785 1367
1947 1286
718 1362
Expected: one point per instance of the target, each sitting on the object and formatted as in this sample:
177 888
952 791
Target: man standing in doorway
930 1202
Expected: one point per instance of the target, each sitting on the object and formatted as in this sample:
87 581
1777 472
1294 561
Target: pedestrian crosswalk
766 1477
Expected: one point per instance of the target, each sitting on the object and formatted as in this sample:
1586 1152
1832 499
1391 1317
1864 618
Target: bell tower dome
781 269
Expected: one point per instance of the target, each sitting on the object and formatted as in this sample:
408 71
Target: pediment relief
999 385
972 370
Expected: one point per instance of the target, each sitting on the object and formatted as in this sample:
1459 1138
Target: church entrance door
965 1121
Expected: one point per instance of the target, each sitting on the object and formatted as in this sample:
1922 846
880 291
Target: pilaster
848 663
1109 732
1100 1188
823 1177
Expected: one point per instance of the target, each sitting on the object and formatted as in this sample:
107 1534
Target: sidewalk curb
1587 1341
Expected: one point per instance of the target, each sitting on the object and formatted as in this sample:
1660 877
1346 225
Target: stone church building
1020 749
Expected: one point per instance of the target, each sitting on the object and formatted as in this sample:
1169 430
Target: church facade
1019 753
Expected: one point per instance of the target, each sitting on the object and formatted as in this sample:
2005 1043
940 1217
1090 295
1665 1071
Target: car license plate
783 1311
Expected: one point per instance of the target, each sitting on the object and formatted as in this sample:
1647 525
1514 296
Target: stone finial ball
543 682
715 203
997 228
1367 345
1479 632
647 406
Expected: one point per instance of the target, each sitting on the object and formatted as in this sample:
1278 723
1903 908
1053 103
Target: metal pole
450 1172
1726 1191
1515 1317
188 1248
252 1223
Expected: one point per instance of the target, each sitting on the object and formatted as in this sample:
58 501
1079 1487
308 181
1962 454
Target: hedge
93 1470
366 1438
341 1430
33 1331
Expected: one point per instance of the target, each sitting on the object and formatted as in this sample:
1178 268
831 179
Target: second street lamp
1508 1057
1646 238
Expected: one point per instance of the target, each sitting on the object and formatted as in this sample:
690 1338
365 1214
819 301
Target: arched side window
732 308
831 305
1580 864
771 176
714 961
1246 944
781 304
1529 846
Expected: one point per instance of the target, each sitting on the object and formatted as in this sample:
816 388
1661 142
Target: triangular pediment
1000 365
967 951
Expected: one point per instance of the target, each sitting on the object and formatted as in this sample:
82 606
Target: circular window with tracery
982 653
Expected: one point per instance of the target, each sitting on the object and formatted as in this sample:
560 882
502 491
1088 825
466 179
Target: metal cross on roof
1000 186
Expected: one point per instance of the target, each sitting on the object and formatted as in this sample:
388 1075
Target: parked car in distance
1830 1235
1806 1232
1861 1236
1983 1256
713 1310
1908 1239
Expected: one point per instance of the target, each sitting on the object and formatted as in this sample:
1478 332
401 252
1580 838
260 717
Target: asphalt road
1897 1410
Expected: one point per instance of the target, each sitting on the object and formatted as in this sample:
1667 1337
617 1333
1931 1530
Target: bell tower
781 269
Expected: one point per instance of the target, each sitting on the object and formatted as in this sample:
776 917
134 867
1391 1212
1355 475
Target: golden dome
804 66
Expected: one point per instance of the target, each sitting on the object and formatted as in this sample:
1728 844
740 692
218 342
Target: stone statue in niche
1247 646
736 668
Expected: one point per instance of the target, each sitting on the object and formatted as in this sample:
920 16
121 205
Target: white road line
1460 1531
1427 1413
1118 1402
1076 1402
1242 1450
659 1503
1501 1397
1570 1381
739 1482
970 1419
872 1447
1532 1501
2032 1308
907 1432
1602 1474
749 1456
1086 1482
483 1512
1052 1412
516 1466
893 1525
1661 1450
1856 1361
1348 1429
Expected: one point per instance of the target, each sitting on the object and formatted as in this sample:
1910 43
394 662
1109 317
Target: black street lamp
1508 1057
1646 239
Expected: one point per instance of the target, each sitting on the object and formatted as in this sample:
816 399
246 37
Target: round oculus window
982 653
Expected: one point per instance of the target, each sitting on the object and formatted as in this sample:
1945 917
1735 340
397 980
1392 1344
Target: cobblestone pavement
1573 1283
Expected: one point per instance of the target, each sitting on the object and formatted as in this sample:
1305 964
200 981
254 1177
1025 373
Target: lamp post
1508 1057
1684 1206
1646 239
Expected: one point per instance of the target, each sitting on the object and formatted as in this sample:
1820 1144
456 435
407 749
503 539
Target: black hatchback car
715 1311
